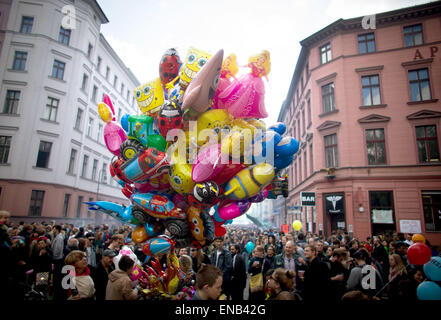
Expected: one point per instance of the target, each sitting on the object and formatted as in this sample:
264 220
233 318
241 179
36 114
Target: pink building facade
364 104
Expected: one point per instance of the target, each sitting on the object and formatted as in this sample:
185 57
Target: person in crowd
221 258
328 252
100 274
84 285
257 265
400 248
408 237
338 274
379 253
397 274
119 286
198 259
270 254
316 279
238 274
208 283
116 242
355 295
182 252
91 250
72 244
80 233
281 284
354 245
26 234
359 272
321 254
187 276
289 259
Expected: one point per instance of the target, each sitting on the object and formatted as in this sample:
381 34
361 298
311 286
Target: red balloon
419 254
219 231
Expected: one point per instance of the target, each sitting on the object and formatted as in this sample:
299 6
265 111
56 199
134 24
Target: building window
58 69
371 90
122 88
107 73
300 169
298 127
103 173
100 132
432 210
98 64
119 114
303 122
296 176
36 204
84 82
311 160
305 167
301 82
90 127
64 36
128 95
73 157
5 146
331 151
294 131
51 109
66 204
328 97
79 205
11 102
427 142
89 50
84 169
94 93
366 43
307 70
115 80
309 112
413 35
382 211
78 119
88 211
26 24
44 153
20 60
376 147
419 85
325 53
95 165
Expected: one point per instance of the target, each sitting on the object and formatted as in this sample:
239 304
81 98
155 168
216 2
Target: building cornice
382 19
374 118
424 114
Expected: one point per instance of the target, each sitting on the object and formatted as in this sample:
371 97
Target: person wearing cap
100 274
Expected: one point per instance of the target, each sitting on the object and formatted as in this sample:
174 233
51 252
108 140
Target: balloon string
393 278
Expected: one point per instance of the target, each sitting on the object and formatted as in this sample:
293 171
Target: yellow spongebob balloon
150 97
215 120
194 61
180 174
240 138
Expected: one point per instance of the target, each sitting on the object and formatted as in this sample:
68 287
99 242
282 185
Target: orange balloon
139 235
418 238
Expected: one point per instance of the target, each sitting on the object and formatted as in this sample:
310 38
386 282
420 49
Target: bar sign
307 199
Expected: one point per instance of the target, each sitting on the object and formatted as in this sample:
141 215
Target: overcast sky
141 31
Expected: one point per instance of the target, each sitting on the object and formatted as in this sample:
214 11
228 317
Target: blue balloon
249 247
432 269
228 222
429 290
125 122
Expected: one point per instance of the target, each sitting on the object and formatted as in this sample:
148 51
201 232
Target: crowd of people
245 264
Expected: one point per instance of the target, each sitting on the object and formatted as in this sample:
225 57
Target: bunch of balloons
419 254
198 156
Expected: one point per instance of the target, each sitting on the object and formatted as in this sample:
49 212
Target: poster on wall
410 226
382 216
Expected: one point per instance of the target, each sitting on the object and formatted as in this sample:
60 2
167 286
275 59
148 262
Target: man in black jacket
221 258
238 274
316 277
100 274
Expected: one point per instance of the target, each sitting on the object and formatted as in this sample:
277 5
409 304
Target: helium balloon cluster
198 156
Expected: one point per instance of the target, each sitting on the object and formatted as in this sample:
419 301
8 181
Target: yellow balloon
105 112
297 225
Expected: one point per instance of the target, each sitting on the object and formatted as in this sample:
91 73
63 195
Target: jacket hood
117 274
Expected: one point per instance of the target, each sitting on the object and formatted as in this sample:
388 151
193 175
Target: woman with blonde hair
397 275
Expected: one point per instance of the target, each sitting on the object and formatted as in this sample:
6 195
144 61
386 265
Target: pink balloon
233 210
114 136
207 164
107 101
